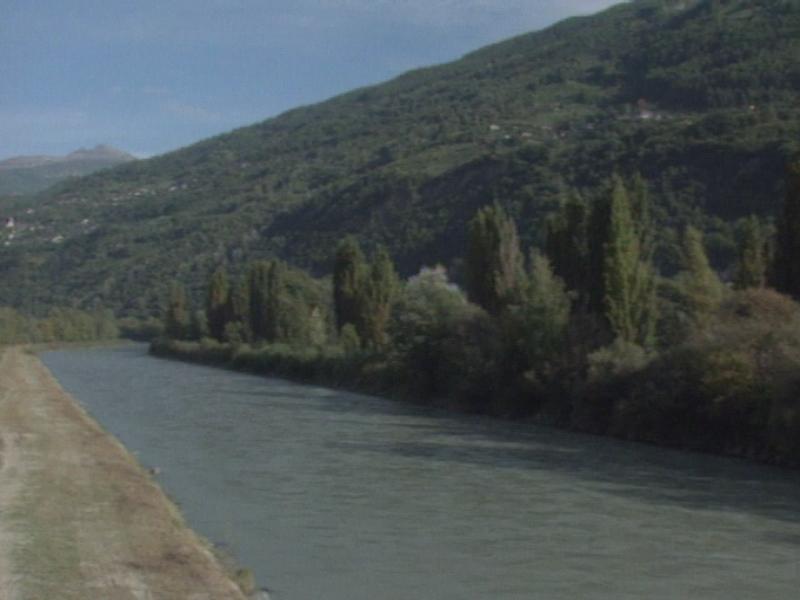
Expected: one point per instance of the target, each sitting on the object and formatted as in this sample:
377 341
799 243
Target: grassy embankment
79 517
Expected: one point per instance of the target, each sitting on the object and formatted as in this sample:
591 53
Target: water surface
337 496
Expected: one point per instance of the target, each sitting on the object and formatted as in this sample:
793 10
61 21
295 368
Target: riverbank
629 406
79 517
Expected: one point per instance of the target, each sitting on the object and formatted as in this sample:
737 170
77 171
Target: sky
149 76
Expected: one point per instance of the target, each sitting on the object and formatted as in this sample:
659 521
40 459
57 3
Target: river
338 496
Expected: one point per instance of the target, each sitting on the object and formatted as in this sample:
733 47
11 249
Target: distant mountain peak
100 152
29 174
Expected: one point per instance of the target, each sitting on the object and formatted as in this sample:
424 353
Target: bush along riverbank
584 334
731 388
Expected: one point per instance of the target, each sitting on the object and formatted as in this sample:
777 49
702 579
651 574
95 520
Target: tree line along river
327 494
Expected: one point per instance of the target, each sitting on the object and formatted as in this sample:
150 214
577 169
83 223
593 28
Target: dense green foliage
59 325
28 175
493 265
703 104
628 279
786 270
683 361
751 266
702 288
271 303
378 295
176 318
217 304
349 281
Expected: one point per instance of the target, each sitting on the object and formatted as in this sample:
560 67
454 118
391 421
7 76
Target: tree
349 275
379 291
237 308
198 325
786 268
629 280
176 318
538 324
641 209
105 323
751 266
274 326
701 285
443 341
216 303
597 241
257 277
494 263
567 244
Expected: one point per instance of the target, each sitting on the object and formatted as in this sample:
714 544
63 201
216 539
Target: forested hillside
700 98
30 174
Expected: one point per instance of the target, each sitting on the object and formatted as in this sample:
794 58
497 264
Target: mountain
31 174
700 97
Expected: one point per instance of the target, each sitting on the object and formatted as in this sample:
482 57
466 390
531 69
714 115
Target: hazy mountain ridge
701 101
31 174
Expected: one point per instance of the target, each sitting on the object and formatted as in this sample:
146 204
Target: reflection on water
331 495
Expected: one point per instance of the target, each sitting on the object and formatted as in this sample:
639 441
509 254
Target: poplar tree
701 284
379 291
629 280
542 317
176 319
494 263
751 266
598 232
216 303
786 268
567 244
275 314
198 325
238 308
257 276
349 276
641 209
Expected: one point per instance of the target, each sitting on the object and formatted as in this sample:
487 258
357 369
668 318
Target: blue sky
150 76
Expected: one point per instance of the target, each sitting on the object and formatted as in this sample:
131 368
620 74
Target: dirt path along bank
79 518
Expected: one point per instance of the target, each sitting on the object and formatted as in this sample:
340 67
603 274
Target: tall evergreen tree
702 286
176 319
494 263
786 268
629 280
379 291
349 276
751 266
216 304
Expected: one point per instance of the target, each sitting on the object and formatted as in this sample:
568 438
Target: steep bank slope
79 518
